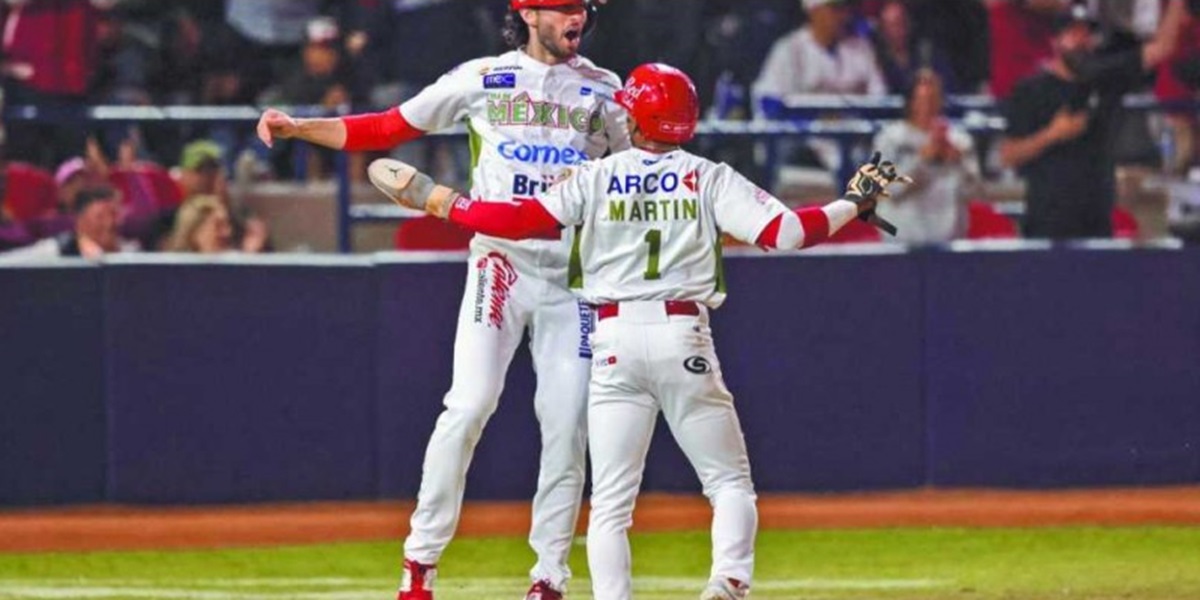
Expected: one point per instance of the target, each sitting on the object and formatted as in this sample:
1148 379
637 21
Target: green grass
899 564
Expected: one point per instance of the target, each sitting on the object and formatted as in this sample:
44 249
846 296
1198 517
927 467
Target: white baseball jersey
528 121
651 224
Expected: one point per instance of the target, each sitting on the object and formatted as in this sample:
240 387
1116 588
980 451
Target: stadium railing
803 116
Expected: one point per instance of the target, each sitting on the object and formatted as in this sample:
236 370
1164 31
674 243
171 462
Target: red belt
673 307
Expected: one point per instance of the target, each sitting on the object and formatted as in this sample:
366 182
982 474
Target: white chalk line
357 588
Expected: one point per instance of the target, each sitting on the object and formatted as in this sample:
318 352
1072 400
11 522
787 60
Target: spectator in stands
940 158
97 212
1135 18
1061 124
203 226
79 173
818 58
901 55
1021 33
406 51
321 79
274 31
12 234
29 192
47 59
954 29
125 61
200 170
69 179
1177 80
739 40
200 174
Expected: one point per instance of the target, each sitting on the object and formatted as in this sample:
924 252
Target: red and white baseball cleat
417 583
725 589
541 590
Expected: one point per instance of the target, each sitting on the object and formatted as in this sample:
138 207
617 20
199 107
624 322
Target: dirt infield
129 528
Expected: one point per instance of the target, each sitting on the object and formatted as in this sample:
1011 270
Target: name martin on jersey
653 209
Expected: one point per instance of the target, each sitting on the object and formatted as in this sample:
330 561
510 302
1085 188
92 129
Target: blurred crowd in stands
85 190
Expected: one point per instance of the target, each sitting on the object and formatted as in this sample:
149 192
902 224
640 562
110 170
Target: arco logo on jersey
523 111
654 183
659 196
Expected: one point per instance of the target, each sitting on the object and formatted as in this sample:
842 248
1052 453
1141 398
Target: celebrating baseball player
650 221
531 113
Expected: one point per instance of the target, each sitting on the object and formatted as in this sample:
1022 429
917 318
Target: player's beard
556 43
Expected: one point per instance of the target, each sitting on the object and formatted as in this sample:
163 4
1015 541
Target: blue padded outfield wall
173 380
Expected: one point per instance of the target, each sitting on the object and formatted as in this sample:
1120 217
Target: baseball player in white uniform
650 221
531 113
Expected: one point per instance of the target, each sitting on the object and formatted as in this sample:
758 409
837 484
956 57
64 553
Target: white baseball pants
645 361
504 296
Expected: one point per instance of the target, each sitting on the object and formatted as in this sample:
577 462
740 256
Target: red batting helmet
519 4
662 101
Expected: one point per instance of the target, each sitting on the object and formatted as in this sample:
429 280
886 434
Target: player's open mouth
573 35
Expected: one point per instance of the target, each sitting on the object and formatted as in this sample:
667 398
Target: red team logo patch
502 276
692 181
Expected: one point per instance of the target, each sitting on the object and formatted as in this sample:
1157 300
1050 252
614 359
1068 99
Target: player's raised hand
408 187
870 182
869 185
276 124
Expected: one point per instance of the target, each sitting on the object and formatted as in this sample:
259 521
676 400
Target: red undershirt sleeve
378 131
514 221
815 223
813 220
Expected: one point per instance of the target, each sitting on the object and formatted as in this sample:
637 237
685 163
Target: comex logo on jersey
541 154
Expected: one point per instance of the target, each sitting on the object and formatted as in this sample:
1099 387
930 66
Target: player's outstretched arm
809 226
356 133
411 188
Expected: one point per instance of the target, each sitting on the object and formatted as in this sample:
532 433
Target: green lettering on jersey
635 212
690 210
616 210
543 114
579 119
520 110
575 263
651 210
498 112
719 252
666 206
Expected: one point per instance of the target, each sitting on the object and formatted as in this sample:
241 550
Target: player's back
650 225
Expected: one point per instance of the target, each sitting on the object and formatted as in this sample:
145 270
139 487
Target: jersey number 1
654 238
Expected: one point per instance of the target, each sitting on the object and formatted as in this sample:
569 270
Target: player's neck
655 147
538 52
